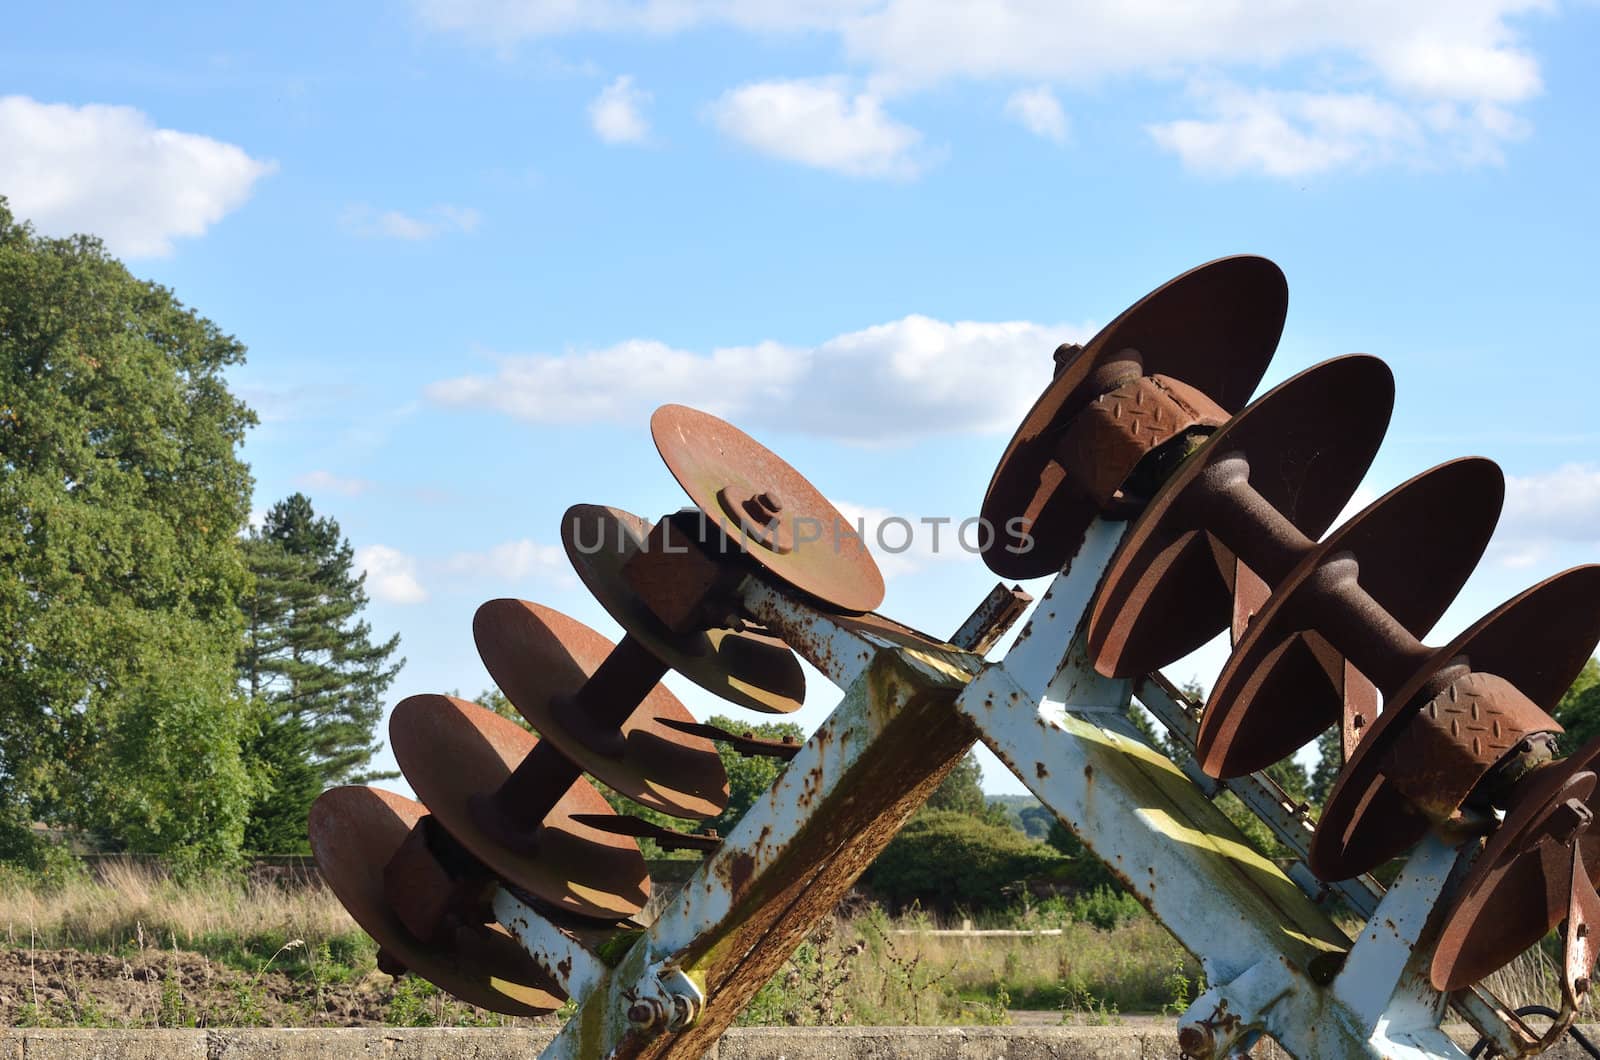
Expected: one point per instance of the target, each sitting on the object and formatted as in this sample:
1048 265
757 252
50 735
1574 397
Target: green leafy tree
1330 759
121 498
946 859
314 676
1579 709
749 777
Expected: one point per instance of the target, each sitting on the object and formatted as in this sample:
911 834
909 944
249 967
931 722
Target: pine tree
310 668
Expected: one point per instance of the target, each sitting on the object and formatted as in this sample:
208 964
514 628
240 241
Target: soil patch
174 988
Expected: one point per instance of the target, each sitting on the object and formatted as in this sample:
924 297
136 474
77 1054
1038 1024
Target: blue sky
472 244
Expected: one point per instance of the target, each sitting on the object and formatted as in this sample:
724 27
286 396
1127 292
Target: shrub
945 859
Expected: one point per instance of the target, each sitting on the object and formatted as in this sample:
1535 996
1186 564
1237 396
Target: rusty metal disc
725 472
1509 900
354 832
748 669
451 750
1214 327
1309 440
1415 547
1538 641
539 657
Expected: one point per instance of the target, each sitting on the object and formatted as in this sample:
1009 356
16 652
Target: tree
121 498
749 777
945 859
961 790
1330 759
1579 709
310 668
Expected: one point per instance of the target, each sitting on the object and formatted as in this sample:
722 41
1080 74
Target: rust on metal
455 754
1266 485
1534 643
354 832
541 659
1213 329
991 619
746 668
768 509
1286 679
1522 884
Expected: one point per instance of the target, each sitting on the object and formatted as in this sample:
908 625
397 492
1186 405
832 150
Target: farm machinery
1168 508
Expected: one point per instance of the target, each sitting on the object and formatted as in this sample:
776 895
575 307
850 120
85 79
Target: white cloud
1038 111
363 220
1551 508
1456 49
820 123
909 378
1294 134
1463 54
615 113
110 171
523 558
328 482
391 575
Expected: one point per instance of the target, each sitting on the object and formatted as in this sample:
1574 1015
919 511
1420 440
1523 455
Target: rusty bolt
1196 1042
1567 820
763 508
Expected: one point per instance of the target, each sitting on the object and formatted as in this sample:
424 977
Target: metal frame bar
1277 963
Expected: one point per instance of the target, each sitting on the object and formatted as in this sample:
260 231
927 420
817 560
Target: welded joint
670 1000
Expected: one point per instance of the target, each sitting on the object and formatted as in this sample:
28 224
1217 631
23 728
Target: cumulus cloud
1463 57
112 172
1442 48
367 222
1294 134
391 575
820 123
1547 510
909 378
328 482
523 558
1037 110
616 115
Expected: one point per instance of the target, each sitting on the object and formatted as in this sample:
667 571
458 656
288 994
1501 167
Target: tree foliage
1579 709
121 496
314 676
946 859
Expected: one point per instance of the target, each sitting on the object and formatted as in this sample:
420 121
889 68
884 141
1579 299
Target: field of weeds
133 948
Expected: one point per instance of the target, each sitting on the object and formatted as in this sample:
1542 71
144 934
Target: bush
945 858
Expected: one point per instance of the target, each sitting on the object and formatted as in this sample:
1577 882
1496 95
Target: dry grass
128 905
864 971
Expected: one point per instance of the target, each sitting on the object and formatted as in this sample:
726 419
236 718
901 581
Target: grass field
132 948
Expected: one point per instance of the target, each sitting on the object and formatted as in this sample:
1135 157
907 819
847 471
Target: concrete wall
1148 1042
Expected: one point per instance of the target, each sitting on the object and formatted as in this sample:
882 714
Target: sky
471 244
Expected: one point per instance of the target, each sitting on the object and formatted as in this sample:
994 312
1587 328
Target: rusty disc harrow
455 754
1266 484
1187 355
767 509
355 831
1521 885
1411 550
541 659
1466 707
746 668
